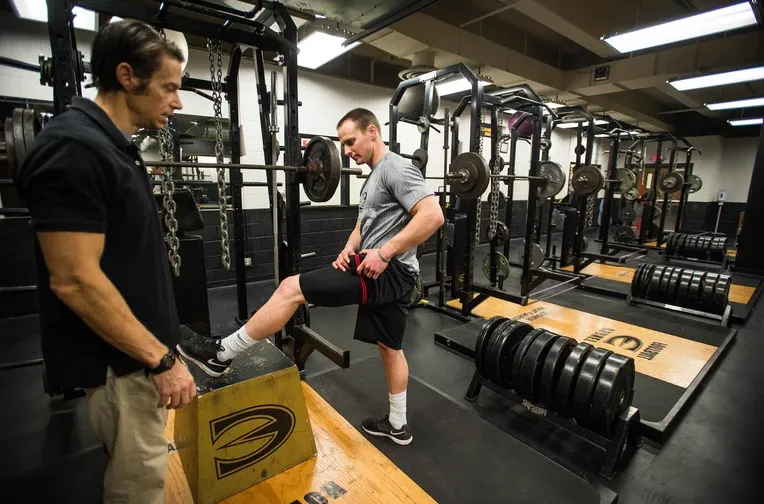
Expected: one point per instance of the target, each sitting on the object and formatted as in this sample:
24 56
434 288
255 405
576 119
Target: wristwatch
165 364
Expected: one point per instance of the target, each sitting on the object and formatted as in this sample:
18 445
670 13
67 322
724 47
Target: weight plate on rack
690 247
664 285
532 365
693 294
420 159
684 287
657 216
695 247
635 280
585 384
482 339
553 364
17 119
555 180
492 350
417 293
508 343
707 296
670 244
631 194
501 236
537 255
671 182
473 175
587 180
653 289
10 146
324 169
502 266
625 234
517 359
566 385
673 290
613 393
721 293
628 215
647 276
695 183
628 180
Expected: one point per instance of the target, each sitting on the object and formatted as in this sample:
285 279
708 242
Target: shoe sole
402 442
200 364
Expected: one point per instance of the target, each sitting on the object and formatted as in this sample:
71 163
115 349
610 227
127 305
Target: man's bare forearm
99 304
355 238
416 232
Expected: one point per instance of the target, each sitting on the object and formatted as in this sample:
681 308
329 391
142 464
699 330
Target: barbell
674 181
469 176
588 180
321 167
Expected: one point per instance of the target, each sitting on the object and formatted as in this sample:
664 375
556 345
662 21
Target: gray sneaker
382 427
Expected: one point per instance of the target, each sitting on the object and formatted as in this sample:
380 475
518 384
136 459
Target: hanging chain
214 50
166 148
495 170
591 200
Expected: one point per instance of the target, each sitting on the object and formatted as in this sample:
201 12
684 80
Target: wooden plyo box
245 426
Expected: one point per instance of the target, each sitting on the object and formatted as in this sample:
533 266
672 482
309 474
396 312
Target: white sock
398 410
234 344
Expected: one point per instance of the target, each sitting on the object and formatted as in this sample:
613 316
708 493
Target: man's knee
290 289
388 353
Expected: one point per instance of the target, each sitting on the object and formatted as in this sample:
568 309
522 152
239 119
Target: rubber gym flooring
49 453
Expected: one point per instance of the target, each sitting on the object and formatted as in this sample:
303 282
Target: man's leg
126 417
397 375
214 356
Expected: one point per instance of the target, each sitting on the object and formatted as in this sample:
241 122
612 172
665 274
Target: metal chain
214 50
495 170
591 200
166 148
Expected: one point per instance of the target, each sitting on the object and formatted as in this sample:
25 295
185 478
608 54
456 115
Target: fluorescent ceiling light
747 122
457 86
553 105
602 135
753 102
720 79
571 125
699 25
37 10
319 48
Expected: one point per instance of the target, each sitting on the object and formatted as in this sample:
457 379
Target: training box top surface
259 360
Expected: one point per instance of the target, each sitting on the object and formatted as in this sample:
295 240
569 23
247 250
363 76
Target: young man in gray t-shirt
376 270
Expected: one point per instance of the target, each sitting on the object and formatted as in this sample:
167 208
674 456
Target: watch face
168 361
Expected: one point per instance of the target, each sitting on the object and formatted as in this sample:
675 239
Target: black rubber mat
456 456
49 452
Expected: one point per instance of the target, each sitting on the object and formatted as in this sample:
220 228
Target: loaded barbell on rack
588 180
469 177
321 168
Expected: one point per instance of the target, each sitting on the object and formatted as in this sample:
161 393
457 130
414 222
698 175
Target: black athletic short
382 303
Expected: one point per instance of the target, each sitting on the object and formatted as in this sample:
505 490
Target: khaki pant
126 418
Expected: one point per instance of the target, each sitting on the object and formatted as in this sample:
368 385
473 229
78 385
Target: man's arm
427 219
355 238
73 260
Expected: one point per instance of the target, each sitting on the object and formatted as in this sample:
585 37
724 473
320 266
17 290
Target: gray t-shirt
393 188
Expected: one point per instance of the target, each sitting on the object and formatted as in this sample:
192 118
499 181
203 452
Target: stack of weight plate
698 290
696 247
591 385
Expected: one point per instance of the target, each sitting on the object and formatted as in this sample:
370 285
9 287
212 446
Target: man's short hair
131 42
362 117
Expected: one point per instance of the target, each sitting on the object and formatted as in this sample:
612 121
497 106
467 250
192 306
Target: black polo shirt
84 175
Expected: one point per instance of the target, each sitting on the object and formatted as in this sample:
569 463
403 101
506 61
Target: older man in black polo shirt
106 305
